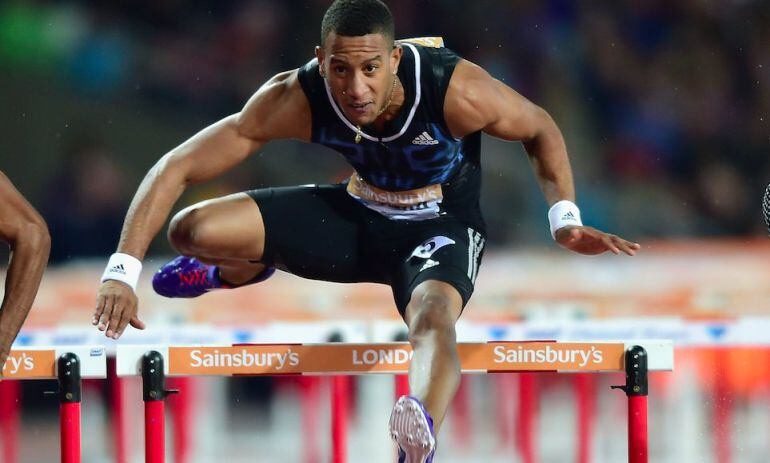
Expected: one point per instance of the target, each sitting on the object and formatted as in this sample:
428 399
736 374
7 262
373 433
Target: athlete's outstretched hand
116 306
590 241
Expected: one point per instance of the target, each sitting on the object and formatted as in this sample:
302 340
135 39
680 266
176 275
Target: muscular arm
477 101
26 233
278 110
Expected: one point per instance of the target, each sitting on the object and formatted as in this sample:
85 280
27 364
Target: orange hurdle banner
40 362
388 358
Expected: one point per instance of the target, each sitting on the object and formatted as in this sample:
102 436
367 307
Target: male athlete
27 235
408 116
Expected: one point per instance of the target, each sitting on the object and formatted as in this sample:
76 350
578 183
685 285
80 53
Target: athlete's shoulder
437 65
469 78
310 80
477 101
278 109
468 98
433 50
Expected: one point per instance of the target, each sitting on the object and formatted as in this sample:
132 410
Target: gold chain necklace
382 110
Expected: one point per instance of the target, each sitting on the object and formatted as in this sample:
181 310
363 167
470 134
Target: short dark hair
354 18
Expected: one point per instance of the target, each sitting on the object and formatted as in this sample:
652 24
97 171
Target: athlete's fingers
629 243
101 302
136 323
124 319
627 247
117 311
575 234
608 243
105 316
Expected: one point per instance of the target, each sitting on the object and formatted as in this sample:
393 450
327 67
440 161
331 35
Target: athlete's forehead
360 48
353 58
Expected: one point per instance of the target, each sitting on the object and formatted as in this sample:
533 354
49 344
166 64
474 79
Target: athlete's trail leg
434 373
228 232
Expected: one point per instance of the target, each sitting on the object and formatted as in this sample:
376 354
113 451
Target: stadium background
664 106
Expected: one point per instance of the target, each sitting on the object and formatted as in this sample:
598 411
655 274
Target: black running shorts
322 233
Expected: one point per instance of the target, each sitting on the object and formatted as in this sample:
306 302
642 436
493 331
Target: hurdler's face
360 72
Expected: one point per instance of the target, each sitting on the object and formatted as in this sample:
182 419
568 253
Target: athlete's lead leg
434 373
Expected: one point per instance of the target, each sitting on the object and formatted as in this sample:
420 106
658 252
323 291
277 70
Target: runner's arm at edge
27 235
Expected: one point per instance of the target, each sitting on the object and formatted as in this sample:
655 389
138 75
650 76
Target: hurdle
634 359
68 365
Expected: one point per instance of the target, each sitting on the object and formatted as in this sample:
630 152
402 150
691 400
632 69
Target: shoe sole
409 429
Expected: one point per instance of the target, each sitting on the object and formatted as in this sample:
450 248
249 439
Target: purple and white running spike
411 428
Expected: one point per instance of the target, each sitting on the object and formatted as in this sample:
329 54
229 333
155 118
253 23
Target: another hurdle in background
68 365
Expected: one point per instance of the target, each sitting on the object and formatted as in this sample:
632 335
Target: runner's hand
116 306
590 241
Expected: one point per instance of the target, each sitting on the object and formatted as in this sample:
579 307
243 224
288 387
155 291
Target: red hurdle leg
182 415
154 431
402 385
636 390
584 391
10 395
69 422
637 429
155 393
340 411
69 407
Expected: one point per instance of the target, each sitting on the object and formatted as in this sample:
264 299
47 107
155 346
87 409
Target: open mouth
360 108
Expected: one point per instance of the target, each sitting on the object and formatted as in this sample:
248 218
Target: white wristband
562 214
123 267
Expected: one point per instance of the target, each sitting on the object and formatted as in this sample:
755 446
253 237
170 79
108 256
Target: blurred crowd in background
665 105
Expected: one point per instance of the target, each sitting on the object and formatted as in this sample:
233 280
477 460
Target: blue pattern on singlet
425 154
398 164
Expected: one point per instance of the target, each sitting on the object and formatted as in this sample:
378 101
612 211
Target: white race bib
418 204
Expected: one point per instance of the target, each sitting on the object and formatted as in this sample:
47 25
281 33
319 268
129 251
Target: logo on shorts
428 264
426 249
475 248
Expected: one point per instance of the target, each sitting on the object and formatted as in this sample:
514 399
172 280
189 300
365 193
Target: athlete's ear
395 57
319 54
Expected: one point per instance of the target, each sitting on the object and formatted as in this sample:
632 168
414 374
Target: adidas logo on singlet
424 139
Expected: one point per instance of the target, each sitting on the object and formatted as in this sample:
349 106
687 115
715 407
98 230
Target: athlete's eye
370 68
339 69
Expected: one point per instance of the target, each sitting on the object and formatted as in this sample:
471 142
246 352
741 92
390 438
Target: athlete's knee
432 312
187 231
